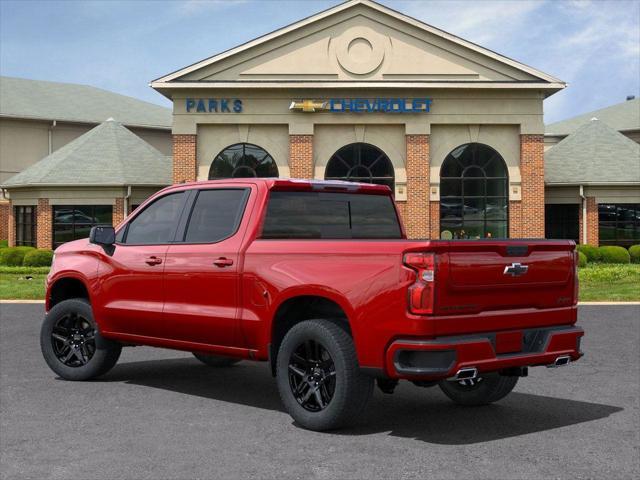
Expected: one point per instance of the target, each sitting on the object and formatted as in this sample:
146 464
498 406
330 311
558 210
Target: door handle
223 262
153 261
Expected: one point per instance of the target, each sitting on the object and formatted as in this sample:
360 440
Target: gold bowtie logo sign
308 106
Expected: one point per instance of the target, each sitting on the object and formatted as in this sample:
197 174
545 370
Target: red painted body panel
131 292
187 302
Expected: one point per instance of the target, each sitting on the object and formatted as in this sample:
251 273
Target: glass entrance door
561 221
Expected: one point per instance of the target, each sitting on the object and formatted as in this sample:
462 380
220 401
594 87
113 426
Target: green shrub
611 254
582 260
613 274
38 258
4 243
634 253
24 249
591 252
24 270
13 256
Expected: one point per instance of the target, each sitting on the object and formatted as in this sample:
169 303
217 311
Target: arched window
361 162
243 160
474 193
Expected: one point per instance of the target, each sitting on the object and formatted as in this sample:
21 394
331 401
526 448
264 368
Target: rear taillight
576 282
421 293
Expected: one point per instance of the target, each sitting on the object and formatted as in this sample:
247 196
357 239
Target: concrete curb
608 303
21 301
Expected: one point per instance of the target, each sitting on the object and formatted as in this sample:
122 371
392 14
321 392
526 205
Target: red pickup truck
319 279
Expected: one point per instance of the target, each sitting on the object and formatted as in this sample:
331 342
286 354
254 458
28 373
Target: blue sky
122 45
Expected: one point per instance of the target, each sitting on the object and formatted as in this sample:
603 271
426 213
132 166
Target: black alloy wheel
74 340
318 375
312 376
71 343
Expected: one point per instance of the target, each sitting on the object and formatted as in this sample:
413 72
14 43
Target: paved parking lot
161 414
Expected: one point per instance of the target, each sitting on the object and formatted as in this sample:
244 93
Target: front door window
156 224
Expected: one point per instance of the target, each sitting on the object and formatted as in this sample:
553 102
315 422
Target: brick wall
532 174
118 211
593 228
417 211
44 234
402 210
185 163
301 156
435 220
11 227
4 220
515 219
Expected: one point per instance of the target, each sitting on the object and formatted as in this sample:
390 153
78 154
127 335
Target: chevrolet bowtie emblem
516 269
308 105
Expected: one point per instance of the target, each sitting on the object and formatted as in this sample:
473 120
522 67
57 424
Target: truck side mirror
102 235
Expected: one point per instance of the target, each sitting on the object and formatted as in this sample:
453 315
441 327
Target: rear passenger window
156 224
330 216
216 215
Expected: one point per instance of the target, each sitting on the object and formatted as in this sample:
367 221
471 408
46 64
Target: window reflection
243 160
361 162
619 224
71 222
473 193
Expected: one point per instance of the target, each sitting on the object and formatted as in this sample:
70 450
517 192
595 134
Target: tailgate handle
517 250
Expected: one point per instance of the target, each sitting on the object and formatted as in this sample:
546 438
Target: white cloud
592 45
481 22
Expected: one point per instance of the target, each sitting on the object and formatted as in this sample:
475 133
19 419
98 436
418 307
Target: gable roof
37 99
107 155
593 154
621 116
185 78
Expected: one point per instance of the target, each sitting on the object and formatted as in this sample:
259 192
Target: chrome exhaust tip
561 361
467 373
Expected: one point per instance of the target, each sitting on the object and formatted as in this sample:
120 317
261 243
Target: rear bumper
444 356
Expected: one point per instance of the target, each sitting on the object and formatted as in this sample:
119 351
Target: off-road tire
104 353
351 388
491 388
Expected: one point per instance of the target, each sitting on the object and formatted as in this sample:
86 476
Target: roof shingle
594 154
621 116
107 155
70 102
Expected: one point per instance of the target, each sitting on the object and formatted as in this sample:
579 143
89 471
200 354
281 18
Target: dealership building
358 92
55 158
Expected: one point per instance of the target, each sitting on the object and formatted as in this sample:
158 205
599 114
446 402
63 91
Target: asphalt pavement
161 414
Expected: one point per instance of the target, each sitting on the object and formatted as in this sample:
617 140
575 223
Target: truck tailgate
483 276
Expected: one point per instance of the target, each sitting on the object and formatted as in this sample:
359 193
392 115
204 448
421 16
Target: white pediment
295 60
358 49
358 41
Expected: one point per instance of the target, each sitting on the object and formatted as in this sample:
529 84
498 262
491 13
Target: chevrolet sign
363 105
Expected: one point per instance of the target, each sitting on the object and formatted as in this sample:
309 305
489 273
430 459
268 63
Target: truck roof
298 184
